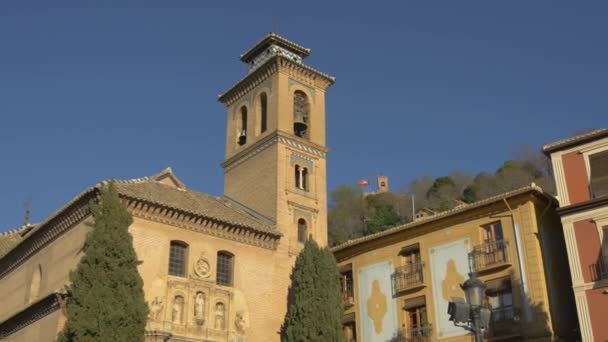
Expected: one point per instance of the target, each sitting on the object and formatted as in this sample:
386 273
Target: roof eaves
269 39
574 140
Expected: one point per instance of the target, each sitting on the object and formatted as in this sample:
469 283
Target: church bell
299 124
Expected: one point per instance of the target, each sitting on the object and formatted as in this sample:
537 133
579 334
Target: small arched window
178 255
263 113
225 268
243 127
302 230
301 111
35 284
301 177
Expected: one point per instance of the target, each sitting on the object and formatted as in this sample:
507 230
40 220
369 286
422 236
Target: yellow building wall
55 260
258 291
44 329
466 226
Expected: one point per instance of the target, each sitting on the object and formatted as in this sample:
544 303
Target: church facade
214 268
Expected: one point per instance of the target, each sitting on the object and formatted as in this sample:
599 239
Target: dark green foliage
384 216
442 194
106 298
315 307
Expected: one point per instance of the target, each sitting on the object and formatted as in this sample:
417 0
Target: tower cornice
278 63
268 141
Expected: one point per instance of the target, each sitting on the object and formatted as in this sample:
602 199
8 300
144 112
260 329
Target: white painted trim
573 257
560 179
598 214
584 320
601 146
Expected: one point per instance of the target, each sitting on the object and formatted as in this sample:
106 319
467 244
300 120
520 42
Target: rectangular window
598 163
346 283
177 259
350 332
416 322
500 299
225 265
492 232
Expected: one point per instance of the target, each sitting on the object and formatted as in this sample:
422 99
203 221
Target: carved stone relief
202 267
199 308
156 307
177 311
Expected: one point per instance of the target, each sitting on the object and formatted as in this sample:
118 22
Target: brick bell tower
275 141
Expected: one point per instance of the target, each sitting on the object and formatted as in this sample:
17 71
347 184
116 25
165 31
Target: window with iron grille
177 258
225 264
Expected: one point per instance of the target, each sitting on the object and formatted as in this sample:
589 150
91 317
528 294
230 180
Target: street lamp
471 315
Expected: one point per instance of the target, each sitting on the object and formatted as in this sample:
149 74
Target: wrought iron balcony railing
505 313
599 270
490 254
408 276
348 294
418 334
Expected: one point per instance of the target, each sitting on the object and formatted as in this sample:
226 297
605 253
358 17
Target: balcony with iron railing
504 322
599 270
408 277
348 296
418 334
490 255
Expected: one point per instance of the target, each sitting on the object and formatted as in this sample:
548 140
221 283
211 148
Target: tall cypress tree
315 307
106 297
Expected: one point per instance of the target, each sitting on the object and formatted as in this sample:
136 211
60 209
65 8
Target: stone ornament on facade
202 267
177 310
239 322
156 306
199 308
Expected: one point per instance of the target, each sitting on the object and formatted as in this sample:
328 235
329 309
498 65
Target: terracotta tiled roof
460 209
218 208
153 190
575 140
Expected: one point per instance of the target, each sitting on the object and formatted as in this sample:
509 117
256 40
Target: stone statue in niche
202 267
199 308
156 306
239 322
220 314
177 310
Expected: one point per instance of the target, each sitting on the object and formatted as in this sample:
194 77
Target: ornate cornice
183 219
297 71
31 314
268 141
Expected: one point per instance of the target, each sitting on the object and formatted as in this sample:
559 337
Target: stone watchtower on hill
275 141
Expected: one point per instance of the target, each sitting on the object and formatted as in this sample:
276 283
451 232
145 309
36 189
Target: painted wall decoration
377 308
449 269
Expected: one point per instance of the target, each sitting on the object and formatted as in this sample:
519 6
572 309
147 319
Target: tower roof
270 39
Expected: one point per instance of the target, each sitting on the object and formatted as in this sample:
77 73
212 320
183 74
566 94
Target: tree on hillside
347 212
106 297
315 306
442 194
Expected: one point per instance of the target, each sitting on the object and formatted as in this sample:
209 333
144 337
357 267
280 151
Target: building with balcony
397 283
580 165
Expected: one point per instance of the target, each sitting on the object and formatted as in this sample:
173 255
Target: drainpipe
520 263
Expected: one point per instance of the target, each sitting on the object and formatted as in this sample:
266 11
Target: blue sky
122 89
